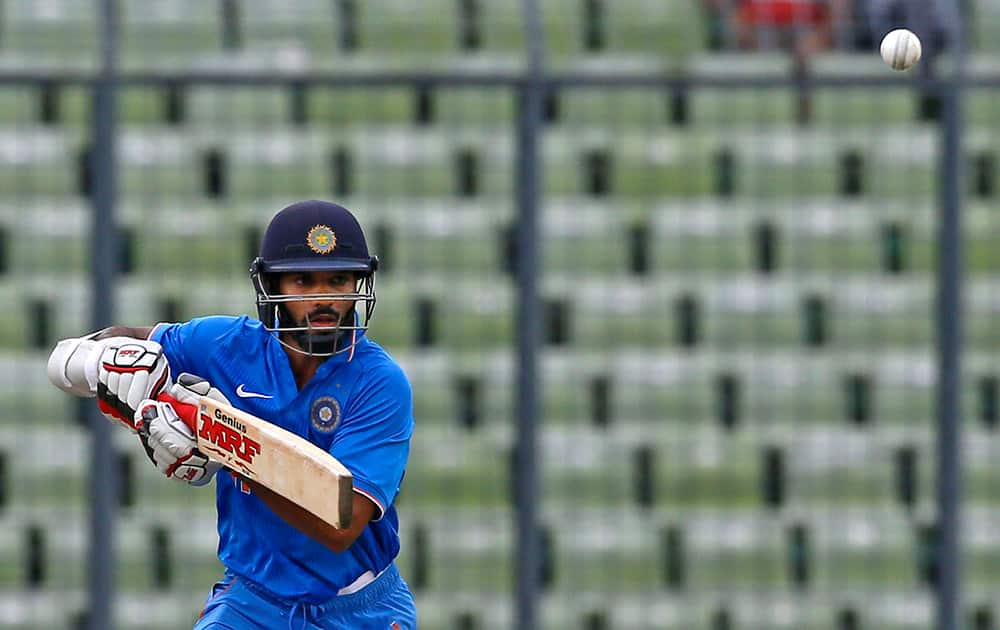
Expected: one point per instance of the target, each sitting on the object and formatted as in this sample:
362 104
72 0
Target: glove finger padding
130 371
171 445
189 388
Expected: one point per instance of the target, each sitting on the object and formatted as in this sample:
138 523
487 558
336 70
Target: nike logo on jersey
242 393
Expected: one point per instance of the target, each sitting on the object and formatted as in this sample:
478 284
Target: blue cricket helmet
314 236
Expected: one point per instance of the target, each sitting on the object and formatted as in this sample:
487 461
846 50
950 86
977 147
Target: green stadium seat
839 63
161 610
169 35
758 64
980 548
59 532
476 108
776 390
861 548
625 108
468 551
389 35
433 312
399 29
359 107
60 34
979 102
186 242
18 107
28 398
477 475
311 26
39 162
36 609
187 541
834 467
225 108
734 550
605 551
47 466
836 107
979 460
984 23
444 237
638 35
725 108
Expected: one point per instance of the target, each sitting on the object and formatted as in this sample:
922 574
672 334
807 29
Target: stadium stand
738 308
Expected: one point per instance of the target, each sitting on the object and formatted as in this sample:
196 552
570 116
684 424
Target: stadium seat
228 108
647 35
355 107
463 550
838 107
169 35
474 476
606 551
60 34
310 29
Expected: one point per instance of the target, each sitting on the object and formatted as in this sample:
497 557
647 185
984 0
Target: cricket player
306 365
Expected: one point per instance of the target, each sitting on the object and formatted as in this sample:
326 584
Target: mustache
324 311
310 317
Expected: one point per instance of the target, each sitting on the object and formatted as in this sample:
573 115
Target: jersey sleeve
373 440
185 343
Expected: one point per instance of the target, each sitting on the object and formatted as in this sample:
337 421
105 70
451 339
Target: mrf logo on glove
128 354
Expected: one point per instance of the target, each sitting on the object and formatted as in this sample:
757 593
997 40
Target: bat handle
186 411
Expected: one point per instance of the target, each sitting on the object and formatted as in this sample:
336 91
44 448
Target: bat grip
185 411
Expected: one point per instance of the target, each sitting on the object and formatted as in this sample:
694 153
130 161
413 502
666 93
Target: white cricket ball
900 49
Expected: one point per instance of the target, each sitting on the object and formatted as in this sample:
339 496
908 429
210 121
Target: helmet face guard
315 341
314 236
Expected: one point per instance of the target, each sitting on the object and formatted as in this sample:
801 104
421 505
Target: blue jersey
358 407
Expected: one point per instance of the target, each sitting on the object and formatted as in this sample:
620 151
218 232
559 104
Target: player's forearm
334 539
136 332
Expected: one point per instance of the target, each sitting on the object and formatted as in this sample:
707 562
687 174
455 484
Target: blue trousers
238 604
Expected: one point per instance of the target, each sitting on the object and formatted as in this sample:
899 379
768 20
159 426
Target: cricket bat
285 463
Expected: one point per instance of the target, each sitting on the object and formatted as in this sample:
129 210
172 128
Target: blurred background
679 285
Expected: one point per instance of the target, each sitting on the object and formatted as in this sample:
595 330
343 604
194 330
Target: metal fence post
950 329
104 248
527 171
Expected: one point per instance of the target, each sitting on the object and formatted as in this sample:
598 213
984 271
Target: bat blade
285 463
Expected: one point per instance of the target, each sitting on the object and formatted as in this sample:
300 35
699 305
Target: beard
323 339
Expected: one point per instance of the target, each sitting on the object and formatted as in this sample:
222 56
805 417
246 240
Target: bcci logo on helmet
321 239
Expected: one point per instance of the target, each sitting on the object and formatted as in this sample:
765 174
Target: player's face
318 313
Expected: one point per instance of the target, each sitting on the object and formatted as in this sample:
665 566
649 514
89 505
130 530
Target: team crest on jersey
325 414
321 239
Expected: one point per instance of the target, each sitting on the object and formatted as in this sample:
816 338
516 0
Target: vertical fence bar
950 329
103 248
527 171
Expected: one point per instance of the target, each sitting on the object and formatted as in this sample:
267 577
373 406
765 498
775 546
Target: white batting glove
165 429
72 366
171 445
120 371
129 371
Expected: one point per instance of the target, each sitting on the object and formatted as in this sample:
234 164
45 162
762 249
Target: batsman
307 365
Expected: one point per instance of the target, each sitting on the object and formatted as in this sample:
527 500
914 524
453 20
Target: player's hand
129 371
165 429
171 445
